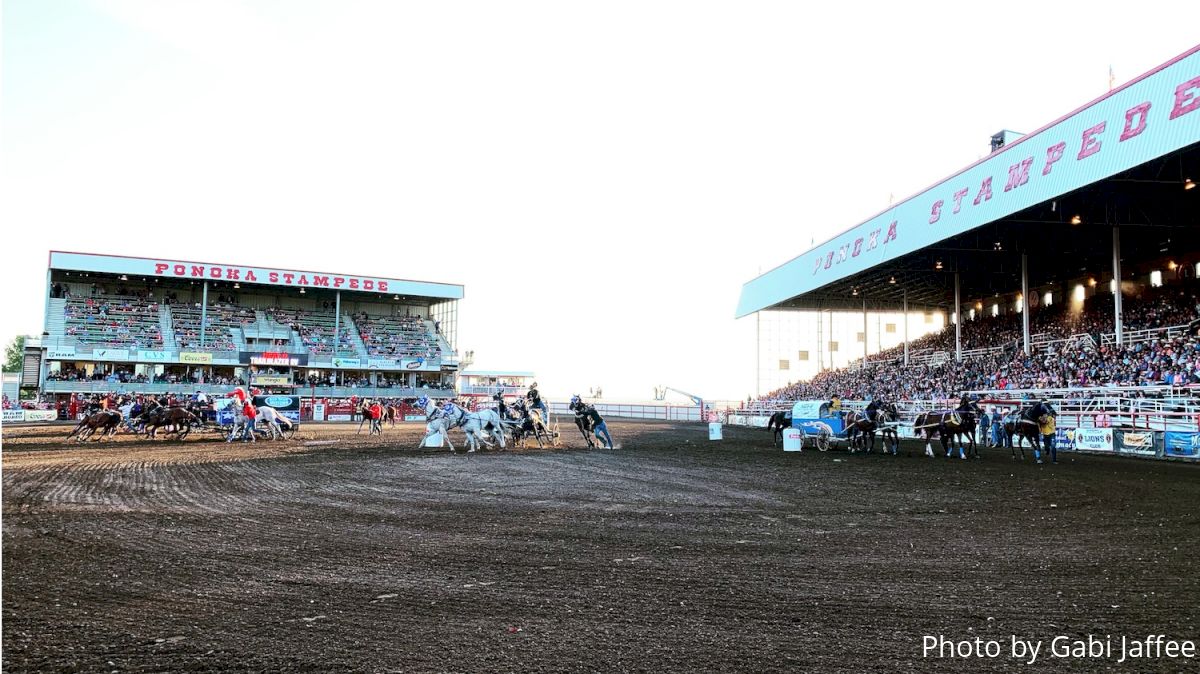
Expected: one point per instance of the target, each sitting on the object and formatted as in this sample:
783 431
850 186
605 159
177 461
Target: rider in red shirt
250 413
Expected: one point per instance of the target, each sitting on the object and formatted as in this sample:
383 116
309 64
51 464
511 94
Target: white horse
437 422
474 425
273 418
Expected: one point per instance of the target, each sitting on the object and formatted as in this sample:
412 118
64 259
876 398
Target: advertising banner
287 406
1140 443
381 363
338 417
61 353
420 364
318 411
41 415
154 356
1181 445
14 416
110 354
1064 438
413 417
1094 439
194 358
272 380
347 362
278 358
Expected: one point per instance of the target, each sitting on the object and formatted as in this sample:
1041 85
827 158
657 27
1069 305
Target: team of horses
955 429
104 424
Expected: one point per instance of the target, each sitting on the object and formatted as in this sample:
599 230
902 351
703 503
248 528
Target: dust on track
672 554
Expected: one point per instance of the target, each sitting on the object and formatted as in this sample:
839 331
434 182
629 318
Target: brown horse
860 428
948 425
175 417
107 422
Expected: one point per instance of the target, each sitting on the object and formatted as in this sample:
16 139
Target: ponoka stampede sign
206 271
1143 120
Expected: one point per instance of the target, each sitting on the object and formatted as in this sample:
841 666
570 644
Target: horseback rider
873 408
589 417
536 402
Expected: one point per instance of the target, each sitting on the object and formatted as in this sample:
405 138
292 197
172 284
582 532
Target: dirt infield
343 553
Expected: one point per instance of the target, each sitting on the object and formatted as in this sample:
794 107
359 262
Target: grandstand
1065 263
167 326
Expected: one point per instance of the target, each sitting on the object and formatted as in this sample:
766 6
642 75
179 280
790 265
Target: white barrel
435 440
714 430
792 440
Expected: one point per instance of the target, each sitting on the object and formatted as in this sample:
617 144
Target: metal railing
1135 336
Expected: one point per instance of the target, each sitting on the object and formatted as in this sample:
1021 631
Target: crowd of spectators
315 329
123 322
1161 360
397 336
219 318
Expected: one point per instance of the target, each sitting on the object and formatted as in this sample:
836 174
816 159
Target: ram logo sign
278 401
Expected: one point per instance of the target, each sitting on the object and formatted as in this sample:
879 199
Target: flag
1111 78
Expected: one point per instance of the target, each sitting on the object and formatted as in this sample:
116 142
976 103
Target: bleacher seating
125 322
397 337
314 327
220 318
1160 359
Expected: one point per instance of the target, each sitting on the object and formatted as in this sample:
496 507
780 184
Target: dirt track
669 554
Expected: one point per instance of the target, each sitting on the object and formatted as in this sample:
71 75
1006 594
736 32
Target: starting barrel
435 440
793 441
714 430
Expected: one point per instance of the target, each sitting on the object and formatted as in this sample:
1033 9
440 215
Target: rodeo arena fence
1150 422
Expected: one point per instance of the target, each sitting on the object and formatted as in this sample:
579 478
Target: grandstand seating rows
134 322
126 322
1163 357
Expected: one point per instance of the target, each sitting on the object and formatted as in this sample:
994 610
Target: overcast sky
602 177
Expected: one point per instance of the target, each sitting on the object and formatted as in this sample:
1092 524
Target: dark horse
105 421
861 426
950 425
582 422
177 417
526 425
1024 426
778 422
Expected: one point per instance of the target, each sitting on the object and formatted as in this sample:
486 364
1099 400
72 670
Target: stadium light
1075 219
1092 282
892 280
938 265
855 293
1171 265
302 291
237 285
124 277
1188 184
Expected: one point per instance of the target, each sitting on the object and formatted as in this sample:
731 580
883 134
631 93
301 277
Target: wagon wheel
555 438
289 432
822 442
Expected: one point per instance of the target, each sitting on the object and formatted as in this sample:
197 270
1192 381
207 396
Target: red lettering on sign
935 213
1139 111
891 235
873 240
159 267
354 283
383 286
1091 144
817 266
197 271
287 278
233 274
829 260
985 191
1053 154
368 284
958 197
338 281
303 280
857 247
1018 174
180 270
321 281
214 272
250 275
1185 98
273 277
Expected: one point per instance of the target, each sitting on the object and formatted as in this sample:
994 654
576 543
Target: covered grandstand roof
268 276
1121 159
